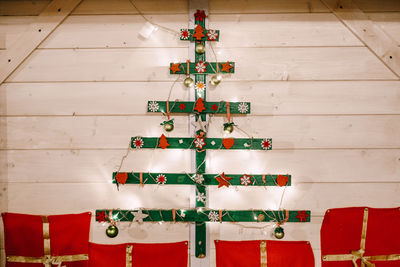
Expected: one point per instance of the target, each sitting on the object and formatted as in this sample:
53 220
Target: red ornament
163 142
228 142
182 106
198 33
214 107
282 180
200 15
226 67
223 180
199 105
302 216
266 144
101 216
121 177
185 34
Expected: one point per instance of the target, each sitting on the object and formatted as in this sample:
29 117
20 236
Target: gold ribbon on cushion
128 259
359 254
47 259
263 253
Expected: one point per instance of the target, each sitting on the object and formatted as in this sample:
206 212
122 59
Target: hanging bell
216 79
168 125
188 82
112 231
228 127
200 48
279 233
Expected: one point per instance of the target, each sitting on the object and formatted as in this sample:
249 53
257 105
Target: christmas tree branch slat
187 35
203 144
189 107
200 215
201 179
202 67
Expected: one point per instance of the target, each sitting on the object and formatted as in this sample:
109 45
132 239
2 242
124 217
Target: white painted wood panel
96 166
267 98
265 6
52 198
322 63
266 30
288 132
389 22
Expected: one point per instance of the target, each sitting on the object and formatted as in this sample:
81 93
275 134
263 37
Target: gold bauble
216 79
112 231
279 233
228 128
168 127
201 256
200 48
188 82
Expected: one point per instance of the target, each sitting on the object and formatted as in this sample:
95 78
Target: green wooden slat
188 107
201 240
211 143
203 39
209 179
209 70
199 215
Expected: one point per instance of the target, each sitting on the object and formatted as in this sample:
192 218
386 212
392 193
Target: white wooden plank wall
332 108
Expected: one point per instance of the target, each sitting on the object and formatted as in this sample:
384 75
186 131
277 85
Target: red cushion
279 254
341 234
143 255
23 235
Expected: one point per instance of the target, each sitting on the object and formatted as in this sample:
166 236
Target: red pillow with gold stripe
33 240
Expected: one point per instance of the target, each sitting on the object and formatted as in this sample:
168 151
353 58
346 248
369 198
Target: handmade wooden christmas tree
201 143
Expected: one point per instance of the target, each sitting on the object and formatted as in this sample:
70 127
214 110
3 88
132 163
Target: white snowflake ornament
200 197
153 106
199 142
212 35
266 144
199 179
243 107
245 180
201 66
138 142
185 34
200 86
213 216
161 179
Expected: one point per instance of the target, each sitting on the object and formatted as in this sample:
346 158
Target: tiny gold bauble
216 79
168 127
201 256
200 48
112 231
188 82
228 128
279 233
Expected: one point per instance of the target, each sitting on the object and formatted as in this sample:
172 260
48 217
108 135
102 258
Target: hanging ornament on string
216 79
200 48
278 232
188 82
168 125
228 126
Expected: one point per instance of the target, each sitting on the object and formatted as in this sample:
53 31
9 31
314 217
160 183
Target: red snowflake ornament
302 216
200 15
182 106
138 142
184 34
101 216
266 144
161 179
200 142
214 107
201 67
212 35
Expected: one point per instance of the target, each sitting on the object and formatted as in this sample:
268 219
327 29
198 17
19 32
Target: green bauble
112 231
279 233
188 82
168 127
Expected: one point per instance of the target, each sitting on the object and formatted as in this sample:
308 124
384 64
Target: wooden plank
13 27
115 31
288 132
382 45
266 6
98 7
389 22
96 166
322 63
266 98
271 30
22 7
52 198
2 41
45 23
378 5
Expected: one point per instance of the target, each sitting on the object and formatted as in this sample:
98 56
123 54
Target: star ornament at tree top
138 216
223 180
